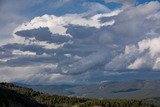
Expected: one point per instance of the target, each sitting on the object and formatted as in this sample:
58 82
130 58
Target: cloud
30 32
18 52
94 7
143 55
10 18
15 12
36 37
109 33
124 2
137 64
37 74
57 25
83 46
132 17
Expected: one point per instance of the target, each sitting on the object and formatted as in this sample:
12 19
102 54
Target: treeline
10 93
115 103
10 98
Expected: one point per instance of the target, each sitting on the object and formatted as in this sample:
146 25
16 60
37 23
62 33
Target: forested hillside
16 96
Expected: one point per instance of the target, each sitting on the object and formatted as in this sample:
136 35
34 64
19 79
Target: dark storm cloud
39 33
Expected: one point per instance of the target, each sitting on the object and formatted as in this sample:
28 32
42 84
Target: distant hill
17 96
132 89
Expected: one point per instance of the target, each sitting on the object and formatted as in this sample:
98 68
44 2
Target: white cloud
19 52
33 41
68 55
6 59
110 14
130 49
152 44
136 64
144 55
76 57
57 24
156 66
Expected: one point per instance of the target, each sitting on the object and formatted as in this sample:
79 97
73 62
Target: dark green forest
16 96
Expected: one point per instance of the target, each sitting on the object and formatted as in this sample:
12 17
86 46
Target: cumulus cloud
143 55
57 24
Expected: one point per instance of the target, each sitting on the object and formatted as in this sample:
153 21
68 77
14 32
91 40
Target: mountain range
132 89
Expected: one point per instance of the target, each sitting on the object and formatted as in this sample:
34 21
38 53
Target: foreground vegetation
16 96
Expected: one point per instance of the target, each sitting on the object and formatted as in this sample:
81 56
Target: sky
79 41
